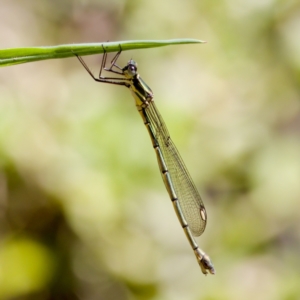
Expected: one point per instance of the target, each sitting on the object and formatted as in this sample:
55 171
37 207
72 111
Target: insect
186 199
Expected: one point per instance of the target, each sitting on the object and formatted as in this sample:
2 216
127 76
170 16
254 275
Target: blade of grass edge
15 56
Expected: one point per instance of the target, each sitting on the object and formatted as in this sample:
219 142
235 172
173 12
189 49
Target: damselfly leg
111 80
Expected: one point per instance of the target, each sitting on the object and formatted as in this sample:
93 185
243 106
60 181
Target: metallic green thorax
141 92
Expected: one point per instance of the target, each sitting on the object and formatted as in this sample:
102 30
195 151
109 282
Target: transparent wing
188 196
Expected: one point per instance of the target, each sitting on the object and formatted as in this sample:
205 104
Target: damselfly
186 200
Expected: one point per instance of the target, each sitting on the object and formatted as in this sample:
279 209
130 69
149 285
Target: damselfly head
131 68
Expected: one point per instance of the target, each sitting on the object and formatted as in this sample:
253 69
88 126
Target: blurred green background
84 213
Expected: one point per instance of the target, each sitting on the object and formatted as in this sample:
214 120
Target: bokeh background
83 210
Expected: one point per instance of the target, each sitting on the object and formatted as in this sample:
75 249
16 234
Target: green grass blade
15 56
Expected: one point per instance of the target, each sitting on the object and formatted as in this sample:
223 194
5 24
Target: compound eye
132 69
